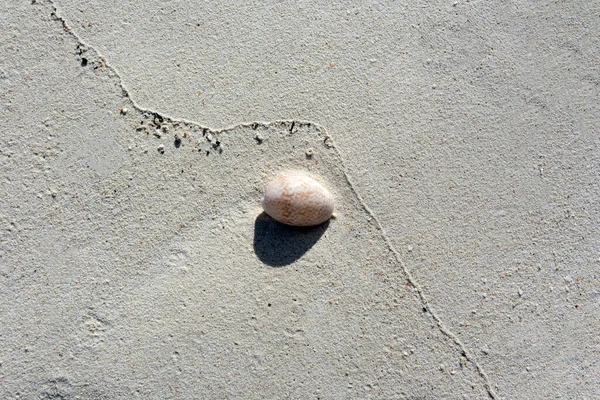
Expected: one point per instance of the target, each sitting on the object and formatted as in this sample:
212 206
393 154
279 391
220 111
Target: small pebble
161 149
123 111
259 138
297 199
310 153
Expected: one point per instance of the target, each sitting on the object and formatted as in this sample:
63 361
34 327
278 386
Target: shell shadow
277 244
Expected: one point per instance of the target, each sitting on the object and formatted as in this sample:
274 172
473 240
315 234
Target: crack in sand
329 143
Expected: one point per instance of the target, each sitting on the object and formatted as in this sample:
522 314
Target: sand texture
460 140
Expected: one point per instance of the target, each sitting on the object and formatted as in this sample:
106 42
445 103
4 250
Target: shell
297 199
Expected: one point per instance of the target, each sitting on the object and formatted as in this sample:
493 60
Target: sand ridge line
83 47
426 307
327 141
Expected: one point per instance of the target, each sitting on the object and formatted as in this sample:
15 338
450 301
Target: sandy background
461 140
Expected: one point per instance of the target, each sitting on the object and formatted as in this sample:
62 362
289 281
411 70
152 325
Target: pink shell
297 199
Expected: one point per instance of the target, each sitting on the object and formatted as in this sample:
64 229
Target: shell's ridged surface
297 199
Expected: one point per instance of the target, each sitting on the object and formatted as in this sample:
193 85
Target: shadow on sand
278 245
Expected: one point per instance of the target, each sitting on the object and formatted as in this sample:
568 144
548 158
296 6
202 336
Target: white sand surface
460 139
